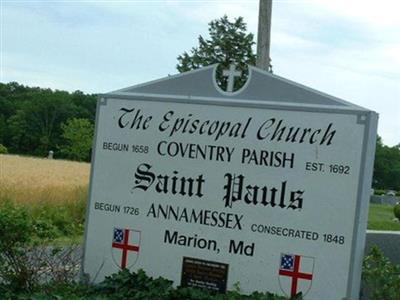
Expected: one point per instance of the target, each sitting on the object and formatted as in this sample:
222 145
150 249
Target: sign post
266 186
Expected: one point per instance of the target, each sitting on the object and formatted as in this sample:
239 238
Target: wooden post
264 35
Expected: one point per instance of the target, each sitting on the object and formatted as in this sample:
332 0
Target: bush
379 192
24 261
133 286
396 210
381 276
52 291
139 286
17 233
124 285
3 149
64 219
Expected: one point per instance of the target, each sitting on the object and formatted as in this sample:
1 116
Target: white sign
257 195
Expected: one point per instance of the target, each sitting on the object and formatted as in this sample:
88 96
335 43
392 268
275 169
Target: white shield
125 247
295 274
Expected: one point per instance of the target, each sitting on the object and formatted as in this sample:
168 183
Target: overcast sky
347 48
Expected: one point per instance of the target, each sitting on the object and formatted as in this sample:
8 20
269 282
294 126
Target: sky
347 48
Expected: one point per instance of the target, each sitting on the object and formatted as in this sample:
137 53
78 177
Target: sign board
268 188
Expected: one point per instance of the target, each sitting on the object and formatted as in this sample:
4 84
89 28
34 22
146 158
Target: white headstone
268 188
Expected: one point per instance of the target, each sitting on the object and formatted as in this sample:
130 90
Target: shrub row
382 278
131 286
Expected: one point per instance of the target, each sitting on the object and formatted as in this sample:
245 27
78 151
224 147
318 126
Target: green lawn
381 218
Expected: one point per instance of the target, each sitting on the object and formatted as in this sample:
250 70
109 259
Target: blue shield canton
118 235
287 262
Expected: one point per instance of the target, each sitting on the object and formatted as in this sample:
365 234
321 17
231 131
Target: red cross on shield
125 247
295 274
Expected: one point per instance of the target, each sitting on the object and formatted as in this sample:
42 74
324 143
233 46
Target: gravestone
266 186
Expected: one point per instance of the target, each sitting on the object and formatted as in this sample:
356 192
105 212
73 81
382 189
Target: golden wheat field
32 180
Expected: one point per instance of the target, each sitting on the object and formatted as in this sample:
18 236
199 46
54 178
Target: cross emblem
121 242
231 74
290 266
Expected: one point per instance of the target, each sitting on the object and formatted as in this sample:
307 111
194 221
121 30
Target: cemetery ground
381 217
46 201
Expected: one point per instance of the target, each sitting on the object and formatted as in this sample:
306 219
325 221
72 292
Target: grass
28 180
381 217
53 191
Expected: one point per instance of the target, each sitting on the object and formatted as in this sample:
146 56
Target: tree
78 134
387 166
228 43
19 141
3 128
86 105
31 117
44 115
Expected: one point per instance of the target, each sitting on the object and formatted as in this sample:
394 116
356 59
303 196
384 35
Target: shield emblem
295 274
125 247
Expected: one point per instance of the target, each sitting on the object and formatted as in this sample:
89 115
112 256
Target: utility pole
264 35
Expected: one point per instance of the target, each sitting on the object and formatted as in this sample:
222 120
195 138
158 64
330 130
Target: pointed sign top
260 86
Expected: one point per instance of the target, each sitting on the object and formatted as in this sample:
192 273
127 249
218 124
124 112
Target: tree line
387 166
34 121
